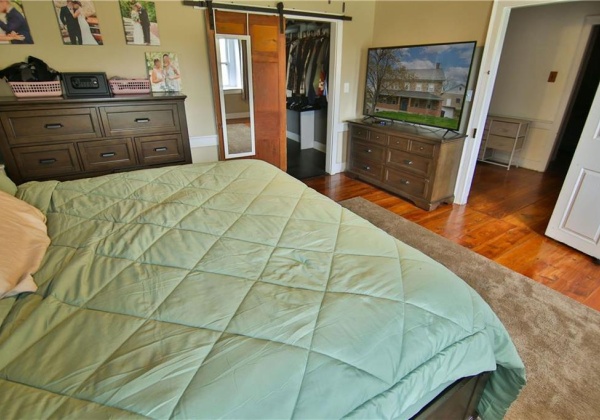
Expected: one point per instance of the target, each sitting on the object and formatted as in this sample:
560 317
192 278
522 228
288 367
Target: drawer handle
142 120
47 161
405 181
408 162
368 151
421 148
107 154
366 168
160 149
53 126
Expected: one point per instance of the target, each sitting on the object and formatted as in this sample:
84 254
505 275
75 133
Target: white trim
204 141
333 106
320 147
293 136
485 88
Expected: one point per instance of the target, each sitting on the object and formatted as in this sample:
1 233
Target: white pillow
23 244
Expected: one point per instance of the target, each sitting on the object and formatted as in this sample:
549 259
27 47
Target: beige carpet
557 338
239 138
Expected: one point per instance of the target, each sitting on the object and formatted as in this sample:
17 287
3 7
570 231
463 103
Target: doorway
581 78
307 77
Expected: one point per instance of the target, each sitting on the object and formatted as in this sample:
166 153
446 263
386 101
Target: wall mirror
234 67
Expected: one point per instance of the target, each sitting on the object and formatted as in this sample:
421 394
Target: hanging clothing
307 69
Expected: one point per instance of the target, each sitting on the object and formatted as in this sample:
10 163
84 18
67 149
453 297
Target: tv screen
420 84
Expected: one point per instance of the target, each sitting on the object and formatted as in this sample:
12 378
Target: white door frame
485 88
333 87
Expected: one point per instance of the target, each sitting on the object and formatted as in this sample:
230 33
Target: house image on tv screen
419 84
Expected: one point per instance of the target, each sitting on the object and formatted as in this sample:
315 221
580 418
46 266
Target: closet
307 76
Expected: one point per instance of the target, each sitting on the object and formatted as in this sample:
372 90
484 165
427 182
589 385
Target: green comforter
233 290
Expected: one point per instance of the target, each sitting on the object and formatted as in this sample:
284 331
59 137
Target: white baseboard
293 136
320 147
204 141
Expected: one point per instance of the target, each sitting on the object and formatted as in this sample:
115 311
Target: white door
576 217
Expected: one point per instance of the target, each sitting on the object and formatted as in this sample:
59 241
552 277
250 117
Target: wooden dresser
62 139
415 163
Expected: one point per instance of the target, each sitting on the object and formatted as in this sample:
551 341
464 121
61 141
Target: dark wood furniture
413 162
49 138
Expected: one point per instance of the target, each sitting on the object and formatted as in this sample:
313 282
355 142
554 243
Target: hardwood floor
504 220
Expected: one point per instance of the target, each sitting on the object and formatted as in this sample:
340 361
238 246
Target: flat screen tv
420 84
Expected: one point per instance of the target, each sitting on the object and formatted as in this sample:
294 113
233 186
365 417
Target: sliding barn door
268 76
268 80
576 217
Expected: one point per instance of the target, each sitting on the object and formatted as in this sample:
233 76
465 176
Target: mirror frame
248 65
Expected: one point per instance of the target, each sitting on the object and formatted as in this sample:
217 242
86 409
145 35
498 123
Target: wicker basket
130 86
36 89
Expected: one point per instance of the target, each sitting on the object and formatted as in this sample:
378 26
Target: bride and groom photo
139 22
78 22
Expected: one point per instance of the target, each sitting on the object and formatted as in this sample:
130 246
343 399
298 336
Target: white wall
539 39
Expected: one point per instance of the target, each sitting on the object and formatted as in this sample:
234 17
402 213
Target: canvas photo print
78 22
139 22
163 71
419 84
14 28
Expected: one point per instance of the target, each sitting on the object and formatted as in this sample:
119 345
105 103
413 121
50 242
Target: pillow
23 243
6 184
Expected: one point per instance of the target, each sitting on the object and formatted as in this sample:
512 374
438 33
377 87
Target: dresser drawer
504 143
424 149
409 162
379 138
107 154
368 151
159 149
134 119
359 133
505 128
400 143
366 168
46 161
407 183
25 127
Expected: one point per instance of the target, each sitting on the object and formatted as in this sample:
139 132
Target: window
419 87
458 100
406 85
431 87
231 68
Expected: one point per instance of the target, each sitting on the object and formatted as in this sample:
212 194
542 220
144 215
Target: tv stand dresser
413 162
56 138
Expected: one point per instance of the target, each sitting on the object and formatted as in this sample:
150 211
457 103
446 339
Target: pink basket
133 86
36 89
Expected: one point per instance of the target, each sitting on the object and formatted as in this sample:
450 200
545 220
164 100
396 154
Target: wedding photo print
78 22
139 22
14 28
163 71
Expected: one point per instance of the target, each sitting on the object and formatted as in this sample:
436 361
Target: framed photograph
139 22
163 71
14 28
78 22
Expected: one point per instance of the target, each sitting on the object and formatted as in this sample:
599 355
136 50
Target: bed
232 290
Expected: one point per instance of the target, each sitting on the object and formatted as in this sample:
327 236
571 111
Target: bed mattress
231 290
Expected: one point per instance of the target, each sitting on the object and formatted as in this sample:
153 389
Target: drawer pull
47 161
160 149
421 148
142 120
107 154
408 162
53 126
368 151
366 167
405 181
